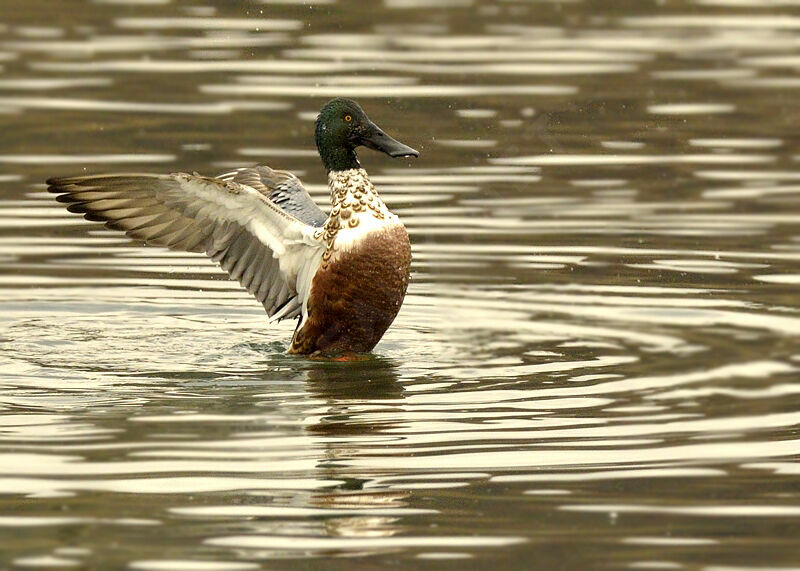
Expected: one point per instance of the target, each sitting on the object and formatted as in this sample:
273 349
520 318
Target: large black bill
377 140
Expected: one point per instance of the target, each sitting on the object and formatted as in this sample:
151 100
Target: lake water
596 366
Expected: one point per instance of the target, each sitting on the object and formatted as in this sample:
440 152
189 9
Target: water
596 365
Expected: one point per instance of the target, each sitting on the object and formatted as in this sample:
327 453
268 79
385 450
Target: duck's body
344 275
363 274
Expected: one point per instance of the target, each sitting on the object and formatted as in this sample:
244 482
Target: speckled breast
356 294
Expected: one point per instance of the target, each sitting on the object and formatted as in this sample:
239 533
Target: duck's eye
348 118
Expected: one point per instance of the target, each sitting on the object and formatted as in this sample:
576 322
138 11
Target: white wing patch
272 254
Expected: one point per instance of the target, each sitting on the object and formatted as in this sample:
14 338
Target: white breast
347 237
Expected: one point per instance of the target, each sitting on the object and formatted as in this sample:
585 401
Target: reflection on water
595 366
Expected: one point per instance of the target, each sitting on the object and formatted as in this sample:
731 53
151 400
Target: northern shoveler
343 274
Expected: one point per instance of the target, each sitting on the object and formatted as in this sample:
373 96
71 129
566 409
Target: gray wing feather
258 243
282 188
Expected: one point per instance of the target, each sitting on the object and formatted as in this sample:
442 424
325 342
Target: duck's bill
377 140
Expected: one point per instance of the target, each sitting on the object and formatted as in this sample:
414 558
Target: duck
343 275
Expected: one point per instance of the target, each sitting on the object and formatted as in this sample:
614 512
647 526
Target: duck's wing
273 254
283 188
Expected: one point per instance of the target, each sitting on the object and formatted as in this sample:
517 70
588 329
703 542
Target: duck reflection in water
360 398
354 403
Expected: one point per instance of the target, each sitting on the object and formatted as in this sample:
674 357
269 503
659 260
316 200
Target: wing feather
256 241
283 188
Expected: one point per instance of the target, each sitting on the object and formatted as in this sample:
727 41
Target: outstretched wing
283 188
273 254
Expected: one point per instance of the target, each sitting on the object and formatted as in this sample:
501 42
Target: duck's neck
339 158
336 154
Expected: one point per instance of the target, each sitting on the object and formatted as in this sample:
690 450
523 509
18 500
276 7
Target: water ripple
596 361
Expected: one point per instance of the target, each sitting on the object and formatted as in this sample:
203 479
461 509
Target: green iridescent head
342 126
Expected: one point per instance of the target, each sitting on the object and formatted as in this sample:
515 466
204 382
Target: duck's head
342 126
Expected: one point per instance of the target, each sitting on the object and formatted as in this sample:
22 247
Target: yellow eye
348 118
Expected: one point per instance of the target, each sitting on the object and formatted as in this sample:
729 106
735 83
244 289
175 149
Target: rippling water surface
597 362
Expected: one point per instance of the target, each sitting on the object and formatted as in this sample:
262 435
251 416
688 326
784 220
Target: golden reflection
369 525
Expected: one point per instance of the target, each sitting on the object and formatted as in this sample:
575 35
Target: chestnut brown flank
357 296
